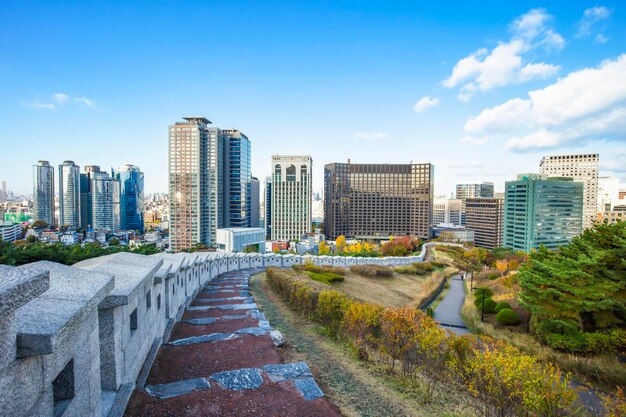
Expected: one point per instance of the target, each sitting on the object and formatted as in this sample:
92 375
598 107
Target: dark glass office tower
374 201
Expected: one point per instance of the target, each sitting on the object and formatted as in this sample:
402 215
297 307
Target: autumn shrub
361 324
615 404
309 266
508 317
372 271
400 246
502 305
331 307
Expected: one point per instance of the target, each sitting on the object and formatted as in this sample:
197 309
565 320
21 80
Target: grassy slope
356 387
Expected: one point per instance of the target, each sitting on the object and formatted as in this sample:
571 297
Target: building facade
104 202
292 191
43 193
237 239
192 196
608 193
541 210
69 195
485 216
255 202
374 201
131 197
583 168
267 204
447 211
86 178
237 179
473 190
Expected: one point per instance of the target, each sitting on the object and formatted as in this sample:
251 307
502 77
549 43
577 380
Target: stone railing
75 340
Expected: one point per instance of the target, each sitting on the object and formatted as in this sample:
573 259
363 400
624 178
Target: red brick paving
201 360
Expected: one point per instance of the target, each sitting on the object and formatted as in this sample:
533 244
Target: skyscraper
43 192
104 202
374 201
86 214
255 203
4 194
131 199
539 210
291 196
485 216
475 190
192 198
579 168
268 207
69 195
237 179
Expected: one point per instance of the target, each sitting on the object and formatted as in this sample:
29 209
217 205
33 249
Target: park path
222 360
448 312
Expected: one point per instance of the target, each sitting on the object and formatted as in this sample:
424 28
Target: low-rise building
10 232
453 233
236 239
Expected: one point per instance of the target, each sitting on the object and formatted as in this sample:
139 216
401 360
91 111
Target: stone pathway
448 312
222 360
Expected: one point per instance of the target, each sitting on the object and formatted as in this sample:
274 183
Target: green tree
581 287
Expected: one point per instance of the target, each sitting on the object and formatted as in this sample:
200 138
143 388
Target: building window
148 299
291 173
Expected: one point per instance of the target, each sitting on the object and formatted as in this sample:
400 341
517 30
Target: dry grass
398 290
356 387
372 271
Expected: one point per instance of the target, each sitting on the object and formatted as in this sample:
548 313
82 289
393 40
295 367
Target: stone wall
74 340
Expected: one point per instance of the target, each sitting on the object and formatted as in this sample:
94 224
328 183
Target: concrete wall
80 338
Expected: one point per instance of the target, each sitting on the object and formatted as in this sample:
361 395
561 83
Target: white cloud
587 104
486 69
59 100
371 135
425 103
37 104
591 17
600 38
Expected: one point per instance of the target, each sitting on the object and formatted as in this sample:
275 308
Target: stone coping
131 271
72 296
175 262
19 286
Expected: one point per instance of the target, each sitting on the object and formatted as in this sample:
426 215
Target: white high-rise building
582 168
43 192
447 211
69 195
291 196
608 193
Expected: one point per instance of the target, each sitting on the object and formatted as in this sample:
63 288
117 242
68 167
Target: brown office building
485 216
374 201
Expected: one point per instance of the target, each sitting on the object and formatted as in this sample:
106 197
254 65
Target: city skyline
390 83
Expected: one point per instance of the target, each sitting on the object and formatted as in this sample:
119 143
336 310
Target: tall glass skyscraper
268 207
86 214
69 195
539 210
131 200
237 179
43 192
103 194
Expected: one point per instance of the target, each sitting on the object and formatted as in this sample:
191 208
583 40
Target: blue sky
98 83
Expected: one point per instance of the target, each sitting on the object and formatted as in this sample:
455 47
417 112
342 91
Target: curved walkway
222 360
448 312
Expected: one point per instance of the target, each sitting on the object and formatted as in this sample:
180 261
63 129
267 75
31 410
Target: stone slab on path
175 389
240 379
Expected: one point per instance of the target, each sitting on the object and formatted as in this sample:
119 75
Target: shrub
361 322
479 291
331 307
491 277
508 317
372 271
309 266
325 277
615 404
607 342
502 305
490 305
